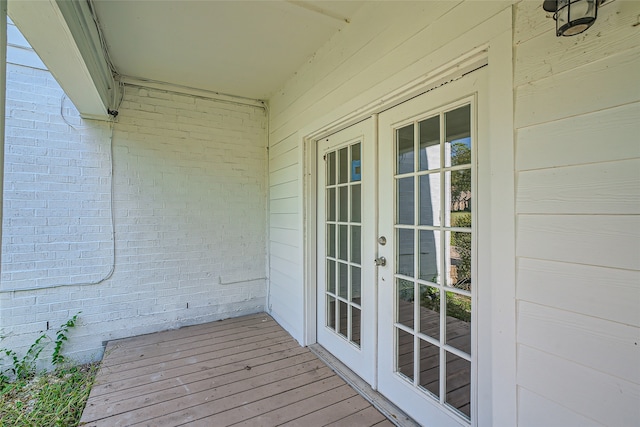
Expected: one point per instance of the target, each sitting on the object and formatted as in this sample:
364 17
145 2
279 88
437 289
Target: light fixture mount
572 16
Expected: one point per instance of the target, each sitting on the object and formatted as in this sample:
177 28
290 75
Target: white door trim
497 398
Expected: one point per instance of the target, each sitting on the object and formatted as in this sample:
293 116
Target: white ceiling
241 48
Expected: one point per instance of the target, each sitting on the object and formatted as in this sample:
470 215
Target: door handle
380 261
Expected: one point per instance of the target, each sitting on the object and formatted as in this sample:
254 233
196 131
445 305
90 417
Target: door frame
490 43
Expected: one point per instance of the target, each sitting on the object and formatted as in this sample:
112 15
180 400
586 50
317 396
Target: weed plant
52 399
56 398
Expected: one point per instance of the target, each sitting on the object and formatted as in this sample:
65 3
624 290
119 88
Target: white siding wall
578 188
578 234
18 49
285 302
190 213
386 45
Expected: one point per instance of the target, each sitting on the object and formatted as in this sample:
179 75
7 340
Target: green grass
56 398
51 399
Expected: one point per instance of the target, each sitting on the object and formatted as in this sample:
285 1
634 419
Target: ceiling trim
326 13
202 93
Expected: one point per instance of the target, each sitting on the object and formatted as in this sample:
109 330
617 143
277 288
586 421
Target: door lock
380 261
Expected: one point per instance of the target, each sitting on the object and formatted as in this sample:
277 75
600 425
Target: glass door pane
433 246
344 242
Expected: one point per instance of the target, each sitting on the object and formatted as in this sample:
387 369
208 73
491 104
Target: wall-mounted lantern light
572 16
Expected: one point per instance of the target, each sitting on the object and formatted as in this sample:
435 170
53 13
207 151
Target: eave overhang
66 37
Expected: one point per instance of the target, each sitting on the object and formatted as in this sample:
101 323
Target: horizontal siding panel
284 266
287 289
389 71
568 94
287 174
603 345
605 293
530 21
281 282
289 221
602 240
434 35
285 206
609 400
536 411
282 161
287 144
601 188
284 190
285 251
282 235
284 311
285 303
616 33
606 135
283 279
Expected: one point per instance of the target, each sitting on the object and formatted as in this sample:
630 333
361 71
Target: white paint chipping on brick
190 213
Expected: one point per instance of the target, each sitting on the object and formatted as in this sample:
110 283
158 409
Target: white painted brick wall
190 214
56 204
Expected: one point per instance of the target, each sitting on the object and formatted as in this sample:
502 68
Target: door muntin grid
343 254
434 241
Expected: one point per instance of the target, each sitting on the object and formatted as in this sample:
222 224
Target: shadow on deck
242 371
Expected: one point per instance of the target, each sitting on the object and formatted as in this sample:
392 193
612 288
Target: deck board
244 371
283 397
129 354
331 414
105 385
201 361
303 407
368 415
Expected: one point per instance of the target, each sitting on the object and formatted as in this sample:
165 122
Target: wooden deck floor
242 371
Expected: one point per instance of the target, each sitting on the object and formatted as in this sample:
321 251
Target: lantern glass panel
575 16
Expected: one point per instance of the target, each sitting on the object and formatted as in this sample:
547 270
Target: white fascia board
45 27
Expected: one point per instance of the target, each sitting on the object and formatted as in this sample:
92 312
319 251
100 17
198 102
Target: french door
408 201
346 244
428 215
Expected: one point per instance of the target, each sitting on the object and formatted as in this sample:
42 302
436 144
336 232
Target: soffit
241 48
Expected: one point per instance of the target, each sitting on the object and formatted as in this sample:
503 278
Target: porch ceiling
242 48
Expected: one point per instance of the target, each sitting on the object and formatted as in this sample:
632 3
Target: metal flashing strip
381 403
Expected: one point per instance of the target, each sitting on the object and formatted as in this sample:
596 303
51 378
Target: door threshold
381 403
